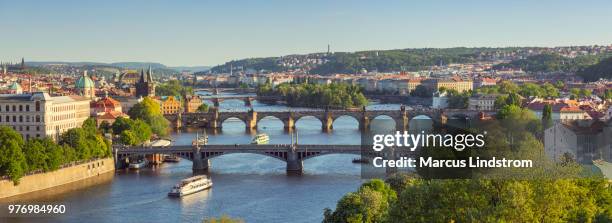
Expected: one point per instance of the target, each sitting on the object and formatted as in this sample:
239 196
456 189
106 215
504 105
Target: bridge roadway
293 155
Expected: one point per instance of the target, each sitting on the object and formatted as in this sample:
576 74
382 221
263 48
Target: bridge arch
314 155
279 155
270 121
302 120
347 118
382 118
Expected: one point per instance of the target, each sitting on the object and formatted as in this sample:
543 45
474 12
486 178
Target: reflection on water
248 186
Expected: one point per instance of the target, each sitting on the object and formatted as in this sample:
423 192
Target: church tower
145 87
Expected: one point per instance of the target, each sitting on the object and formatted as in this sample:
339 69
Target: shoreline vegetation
19 157
552 191
335 95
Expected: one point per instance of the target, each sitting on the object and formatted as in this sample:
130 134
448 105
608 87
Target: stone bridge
216 100
292 154
402 117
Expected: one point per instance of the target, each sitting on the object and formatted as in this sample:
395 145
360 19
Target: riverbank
66 175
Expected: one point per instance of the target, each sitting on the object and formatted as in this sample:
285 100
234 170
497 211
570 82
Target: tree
507 87
128 138
369 204
513 99
121 124
141 130
203 108
105 127
575 92
547 116
585 92
421 91
12 159
35 154
149 111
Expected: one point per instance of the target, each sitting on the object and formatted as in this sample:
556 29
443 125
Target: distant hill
157 67
603 69
372 60
191 69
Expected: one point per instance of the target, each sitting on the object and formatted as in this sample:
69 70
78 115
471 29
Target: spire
22 63
150 75
142 77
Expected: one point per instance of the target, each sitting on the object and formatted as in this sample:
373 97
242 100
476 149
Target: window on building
38 118
20 118
14 108
38 106
6 108
27 108
20 107
14 118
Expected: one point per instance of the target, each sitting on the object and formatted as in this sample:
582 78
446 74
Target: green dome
84 82
15 86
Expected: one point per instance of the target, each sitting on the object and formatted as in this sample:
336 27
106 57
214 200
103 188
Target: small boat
260 139
190 185
172 159
137 164
360 160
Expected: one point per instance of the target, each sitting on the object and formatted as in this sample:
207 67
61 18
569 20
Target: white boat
138 164
260 139
191 185
172 159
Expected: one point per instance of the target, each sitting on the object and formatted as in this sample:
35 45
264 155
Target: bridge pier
289 124
198 163
328 122
295 165
251 120
364 123
216 102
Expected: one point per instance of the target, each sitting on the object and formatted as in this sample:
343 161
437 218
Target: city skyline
190 33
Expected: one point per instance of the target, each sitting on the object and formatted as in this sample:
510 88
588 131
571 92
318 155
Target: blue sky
213 32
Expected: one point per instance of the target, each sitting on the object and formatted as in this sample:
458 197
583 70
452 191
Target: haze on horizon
196 33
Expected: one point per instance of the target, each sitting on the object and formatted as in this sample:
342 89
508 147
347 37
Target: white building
482 102
40 115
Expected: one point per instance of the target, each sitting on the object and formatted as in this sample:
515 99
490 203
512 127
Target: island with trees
335 95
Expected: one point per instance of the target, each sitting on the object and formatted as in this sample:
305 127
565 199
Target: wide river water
247 186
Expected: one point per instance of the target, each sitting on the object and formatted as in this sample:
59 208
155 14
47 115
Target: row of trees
18 156
335 95
603 69
547 192
173 88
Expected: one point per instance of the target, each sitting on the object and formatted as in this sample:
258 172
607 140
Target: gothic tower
145 87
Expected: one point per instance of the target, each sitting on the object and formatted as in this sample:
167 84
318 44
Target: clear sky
212 32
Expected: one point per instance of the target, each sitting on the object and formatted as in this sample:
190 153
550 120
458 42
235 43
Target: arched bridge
215 119
293 155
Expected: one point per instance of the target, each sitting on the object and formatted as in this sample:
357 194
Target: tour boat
190 185
137 164
172 159
261 139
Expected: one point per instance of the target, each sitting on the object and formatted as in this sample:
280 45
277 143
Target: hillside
353 62
603 69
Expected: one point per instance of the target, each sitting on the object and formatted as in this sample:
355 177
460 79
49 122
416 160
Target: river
247 186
